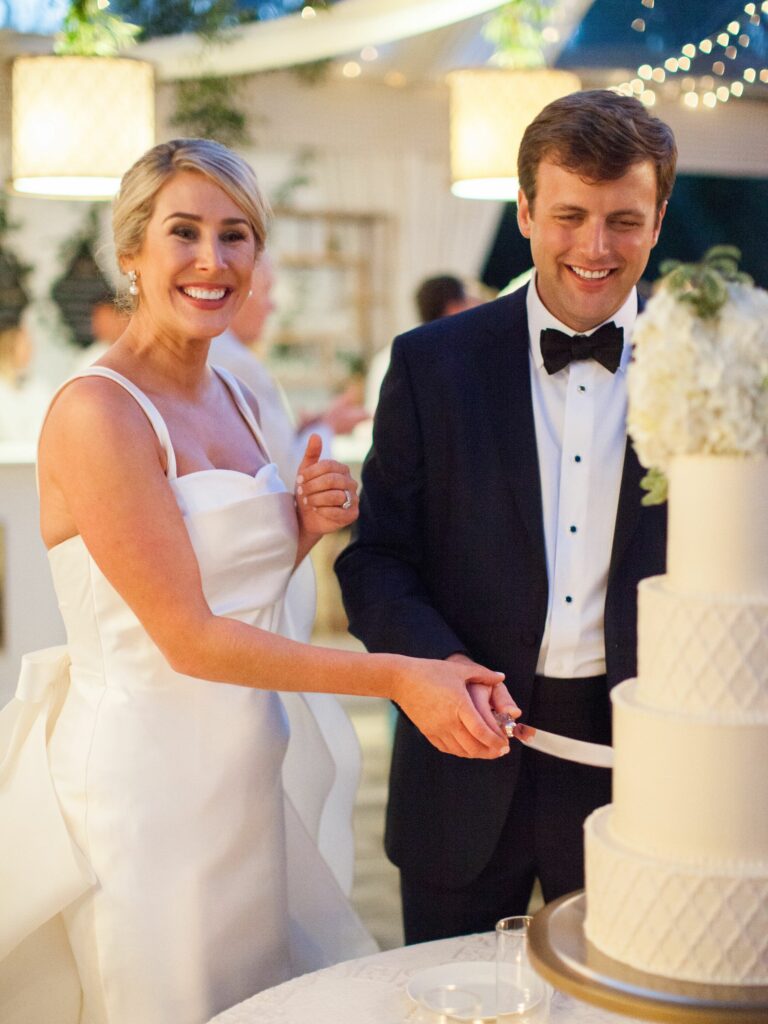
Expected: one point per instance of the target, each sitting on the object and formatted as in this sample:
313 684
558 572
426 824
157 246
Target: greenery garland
705 285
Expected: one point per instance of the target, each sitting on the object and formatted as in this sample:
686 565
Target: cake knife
596 754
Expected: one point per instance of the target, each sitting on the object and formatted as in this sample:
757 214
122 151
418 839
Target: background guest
22 400
436 297
234 350
108 322
286 442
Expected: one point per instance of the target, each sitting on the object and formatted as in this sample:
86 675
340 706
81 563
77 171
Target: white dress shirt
580 420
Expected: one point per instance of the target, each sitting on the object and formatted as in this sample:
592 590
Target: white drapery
434 231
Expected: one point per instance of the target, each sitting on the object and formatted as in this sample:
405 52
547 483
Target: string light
706 93
395 79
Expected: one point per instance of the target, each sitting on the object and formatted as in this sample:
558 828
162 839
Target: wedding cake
677 865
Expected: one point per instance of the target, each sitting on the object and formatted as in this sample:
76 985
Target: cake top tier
698 382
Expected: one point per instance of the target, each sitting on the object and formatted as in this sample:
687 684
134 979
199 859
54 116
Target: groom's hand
488 699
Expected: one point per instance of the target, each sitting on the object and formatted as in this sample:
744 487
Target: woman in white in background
321 732
141 807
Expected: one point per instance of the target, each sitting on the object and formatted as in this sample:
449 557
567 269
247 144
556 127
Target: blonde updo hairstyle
134 203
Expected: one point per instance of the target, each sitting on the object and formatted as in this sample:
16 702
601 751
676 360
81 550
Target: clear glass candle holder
522 997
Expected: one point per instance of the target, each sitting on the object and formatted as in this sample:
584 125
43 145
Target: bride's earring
133 287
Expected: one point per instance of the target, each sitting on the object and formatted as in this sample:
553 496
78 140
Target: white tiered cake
677 865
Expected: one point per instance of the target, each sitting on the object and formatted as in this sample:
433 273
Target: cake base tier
705 924
561 953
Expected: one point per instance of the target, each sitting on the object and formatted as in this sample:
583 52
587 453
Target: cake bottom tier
705 923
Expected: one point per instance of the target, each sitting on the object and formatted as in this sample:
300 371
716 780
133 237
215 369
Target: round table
371 990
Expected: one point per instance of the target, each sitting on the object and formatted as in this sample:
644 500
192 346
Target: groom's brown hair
599 135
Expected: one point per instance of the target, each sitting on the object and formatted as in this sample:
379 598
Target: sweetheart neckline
171 480
219 469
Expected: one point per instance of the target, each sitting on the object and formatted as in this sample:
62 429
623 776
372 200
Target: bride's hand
435 696
326 494
489 700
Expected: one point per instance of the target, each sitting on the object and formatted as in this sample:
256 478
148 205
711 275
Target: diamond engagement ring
347 500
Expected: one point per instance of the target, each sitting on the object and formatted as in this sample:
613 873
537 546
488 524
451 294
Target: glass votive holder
450 1003
522 997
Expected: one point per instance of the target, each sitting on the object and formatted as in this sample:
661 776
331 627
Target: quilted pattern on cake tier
702 654
673 921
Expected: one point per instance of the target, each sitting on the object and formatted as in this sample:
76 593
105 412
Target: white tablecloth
372 990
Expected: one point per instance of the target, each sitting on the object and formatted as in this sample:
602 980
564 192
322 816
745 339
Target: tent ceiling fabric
283 42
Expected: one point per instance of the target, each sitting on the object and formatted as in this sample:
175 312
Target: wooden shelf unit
333 297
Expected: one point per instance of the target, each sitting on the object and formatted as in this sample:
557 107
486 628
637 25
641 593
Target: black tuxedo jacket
449 556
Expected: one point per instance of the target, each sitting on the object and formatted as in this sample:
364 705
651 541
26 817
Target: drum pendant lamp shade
490 110
78 123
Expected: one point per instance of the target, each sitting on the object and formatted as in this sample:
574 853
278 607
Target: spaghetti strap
235 390
149 409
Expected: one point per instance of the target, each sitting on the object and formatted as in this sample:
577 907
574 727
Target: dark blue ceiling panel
606 38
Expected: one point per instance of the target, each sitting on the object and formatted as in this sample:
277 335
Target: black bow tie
604 345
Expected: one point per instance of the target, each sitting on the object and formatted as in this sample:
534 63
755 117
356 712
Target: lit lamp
78 123
490 110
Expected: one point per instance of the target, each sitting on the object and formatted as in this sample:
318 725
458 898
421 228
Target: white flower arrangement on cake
698 381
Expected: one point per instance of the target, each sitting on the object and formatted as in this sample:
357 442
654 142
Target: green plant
89 31
172 17
704 284
206 108
515 30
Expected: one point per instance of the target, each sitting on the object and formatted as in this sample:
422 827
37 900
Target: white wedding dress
145 827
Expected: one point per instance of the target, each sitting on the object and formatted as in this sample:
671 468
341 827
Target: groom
500 520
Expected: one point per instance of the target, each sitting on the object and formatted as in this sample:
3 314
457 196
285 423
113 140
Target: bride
144 816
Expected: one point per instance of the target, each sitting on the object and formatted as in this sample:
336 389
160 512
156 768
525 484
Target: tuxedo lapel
502 365
630 496
628 511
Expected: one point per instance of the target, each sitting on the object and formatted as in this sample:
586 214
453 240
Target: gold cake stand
563 956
